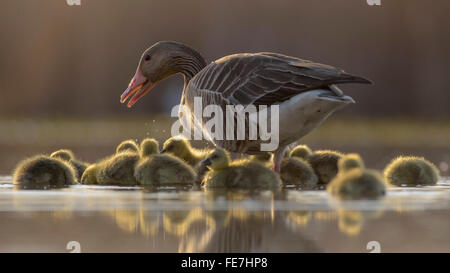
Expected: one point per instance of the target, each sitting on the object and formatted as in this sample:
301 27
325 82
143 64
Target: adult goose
305 91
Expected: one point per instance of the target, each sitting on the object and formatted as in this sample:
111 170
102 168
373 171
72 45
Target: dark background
63 69
61 60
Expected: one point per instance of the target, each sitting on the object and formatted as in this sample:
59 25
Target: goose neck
188 63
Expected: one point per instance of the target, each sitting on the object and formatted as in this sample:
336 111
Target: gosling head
65 155
301 151
219 159
89 176
349 162
127 146
179 147
262 157
149 146
158 62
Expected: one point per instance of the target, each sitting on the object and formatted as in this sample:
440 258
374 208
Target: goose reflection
242 229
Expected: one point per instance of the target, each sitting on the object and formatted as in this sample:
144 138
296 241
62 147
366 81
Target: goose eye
147 57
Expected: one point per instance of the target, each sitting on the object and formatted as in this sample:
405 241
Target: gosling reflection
350 221
149 222
35 204
238 228
178 222
126 220
297 219
144 222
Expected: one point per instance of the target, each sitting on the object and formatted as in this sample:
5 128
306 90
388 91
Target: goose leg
277 157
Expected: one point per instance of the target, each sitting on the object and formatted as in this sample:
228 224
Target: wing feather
267 78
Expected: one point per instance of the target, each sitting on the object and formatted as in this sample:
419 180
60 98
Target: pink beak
139 86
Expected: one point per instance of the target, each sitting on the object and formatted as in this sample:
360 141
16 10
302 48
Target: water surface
131 219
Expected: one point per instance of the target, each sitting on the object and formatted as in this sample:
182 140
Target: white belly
303 113
298 116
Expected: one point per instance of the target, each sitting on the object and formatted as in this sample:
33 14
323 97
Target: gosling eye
147 57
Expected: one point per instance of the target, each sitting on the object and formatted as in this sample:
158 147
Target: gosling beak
163 151
139 86
206 162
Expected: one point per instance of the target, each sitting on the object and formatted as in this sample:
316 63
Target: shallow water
130 219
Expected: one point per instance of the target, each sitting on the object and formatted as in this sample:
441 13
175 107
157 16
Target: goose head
219 159
149 146
177 146
158 62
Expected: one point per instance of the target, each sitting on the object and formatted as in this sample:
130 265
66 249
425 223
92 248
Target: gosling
41 172
68 156
90 175
247 174
301 151
349 162
181 148
118 169
353 182
325 165
128 145
411 171
295 170
155 169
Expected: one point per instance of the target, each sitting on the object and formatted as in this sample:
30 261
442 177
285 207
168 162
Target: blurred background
63 69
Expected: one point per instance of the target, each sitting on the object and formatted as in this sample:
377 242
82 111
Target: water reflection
177 220
244 231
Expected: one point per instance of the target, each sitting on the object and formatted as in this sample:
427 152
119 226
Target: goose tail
348 78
